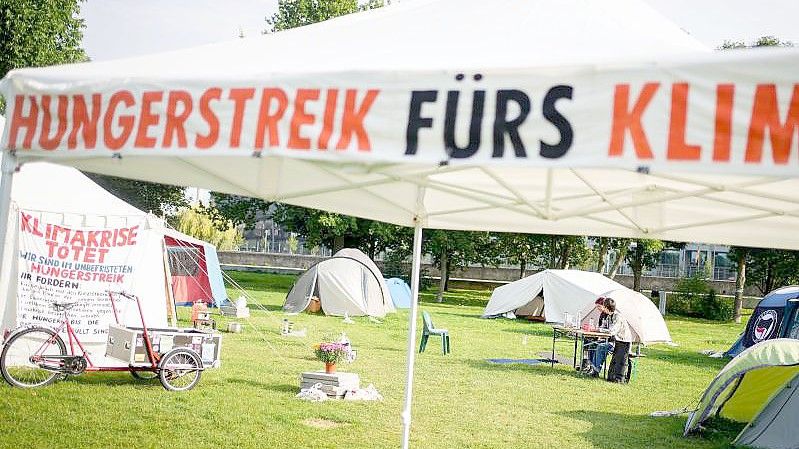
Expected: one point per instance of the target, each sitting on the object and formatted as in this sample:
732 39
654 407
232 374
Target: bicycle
37 356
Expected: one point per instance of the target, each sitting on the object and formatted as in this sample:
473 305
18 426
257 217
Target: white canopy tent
561 117
564 291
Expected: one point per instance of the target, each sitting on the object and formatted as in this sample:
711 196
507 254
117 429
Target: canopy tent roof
746 384
608 58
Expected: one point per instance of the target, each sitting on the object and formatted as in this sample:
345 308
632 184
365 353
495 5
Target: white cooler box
127 343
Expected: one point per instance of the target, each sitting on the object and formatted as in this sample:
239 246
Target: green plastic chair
428 329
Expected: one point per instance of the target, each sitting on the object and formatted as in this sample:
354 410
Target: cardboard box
127 344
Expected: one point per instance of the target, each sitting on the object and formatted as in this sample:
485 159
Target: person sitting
621 338
590 342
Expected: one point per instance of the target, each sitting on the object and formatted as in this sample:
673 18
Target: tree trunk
602 252
442 283
553 247
564 261
638 267
617 263
740 282
338 243
522 269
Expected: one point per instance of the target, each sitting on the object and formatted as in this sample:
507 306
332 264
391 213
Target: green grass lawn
460 400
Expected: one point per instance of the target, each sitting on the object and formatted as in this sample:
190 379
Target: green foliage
768 269
338 231
644 255
293 243
198 223
147 196
241 210
35 33
715 308
763 41
297 13
694 297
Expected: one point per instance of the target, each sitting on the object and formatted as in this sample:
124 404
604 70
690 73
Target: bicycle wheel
16 361
180 370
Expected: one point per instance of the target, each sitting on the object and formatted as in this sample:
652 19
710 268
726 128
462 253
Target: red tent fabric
189 272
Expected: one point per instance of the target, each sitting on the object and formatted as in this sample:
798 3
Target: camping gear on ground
775 316
347 283
759 387
645 321
394 161
400 293
334 385
563 291
36 356
312 393
236 309
234 328
369 393
429 329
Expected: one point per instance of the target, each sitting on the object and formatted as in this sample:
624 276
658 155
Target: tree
564 251
196 222
643 255
36 33
297 13
147 196
620 247
768 269
241 210
337 231
739 255
519 249
455 250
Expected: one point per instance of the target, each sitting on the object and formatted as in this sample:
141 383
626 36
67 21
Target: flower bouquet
331 353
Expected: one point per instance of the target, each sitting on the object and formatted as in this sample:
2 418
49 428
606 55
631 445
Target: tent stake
8 167
417 259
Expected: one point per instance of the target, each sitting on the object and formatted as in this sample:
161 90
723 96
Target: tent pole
8 168
417 260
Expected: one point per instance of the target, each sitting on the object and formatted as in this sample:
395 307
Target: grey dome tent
349 282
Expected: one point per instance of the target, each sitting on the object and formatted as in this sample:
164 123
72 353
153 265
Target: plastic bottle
591 325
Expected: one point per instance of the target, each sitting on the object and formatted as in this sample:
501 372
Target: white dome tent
347 283
564 291
591 118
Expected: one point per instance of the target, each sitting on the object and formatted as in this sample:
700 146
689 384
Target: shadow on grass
685 357
612 430
543 368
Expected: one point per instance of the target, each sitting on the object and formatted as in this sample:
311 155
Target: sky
121 28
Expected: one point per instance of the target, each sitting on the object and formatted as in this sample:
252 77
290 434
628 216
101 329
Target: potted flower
331 353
